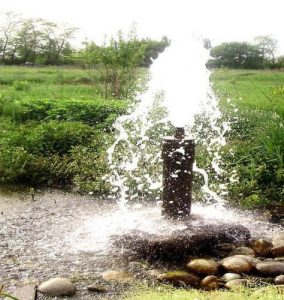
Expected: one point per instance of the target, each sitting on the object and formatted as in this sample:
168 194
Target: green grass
256 89
253 101
45 82
167 293
54 128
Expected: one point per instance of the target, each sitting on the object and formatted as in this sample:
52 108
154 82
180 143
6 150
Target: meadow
253 102
55 129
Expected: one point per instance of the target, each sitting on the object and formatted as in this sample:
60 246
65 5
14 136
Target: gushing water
178 95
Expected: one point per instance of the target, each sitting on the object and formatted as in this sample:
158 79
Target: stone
236 264
279 279
251 259
270 268
210 283
243 251
278 239
278 250
180 278
226 247
26 292
96 288
280 258
262 247
235 283
57 287
193 239
203 266
231 276
279 235
117 276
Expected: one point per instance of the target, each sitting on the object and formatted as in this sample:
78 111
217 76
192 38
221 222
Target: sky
219 20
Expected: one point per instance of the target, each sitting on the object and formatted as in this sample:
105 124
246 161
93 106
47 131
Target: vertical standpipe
178 156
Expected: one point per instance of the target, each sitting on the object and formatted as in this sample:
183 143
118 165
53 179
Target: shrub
21 85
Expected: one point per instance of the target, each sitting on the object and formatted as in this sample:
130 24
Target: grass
255 89
253 101
45 82
54 128
167 293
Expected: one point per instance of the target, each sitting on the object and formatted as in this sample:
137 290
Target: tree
8 31
267 46
236 55
113 67
56 38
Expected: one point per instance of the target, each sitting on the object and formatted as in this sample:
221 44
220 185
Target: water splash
178 95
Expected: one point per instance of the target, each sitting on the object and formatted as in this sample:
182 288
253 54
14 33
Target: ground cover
253 102
54 128
240 293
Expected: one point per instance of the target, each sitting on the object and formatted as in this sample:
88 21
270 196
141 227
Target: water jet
178 157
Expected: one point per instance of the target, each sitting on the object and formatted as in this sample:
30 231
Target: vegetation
254 103
41 42
244 55
167 293
54 131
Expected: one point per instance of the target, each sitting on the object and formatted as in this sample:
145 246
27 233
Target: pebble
236 264
270 268
203 266
180 278
57 287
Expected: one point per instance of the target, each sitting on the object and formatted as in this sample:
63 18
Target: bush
21 85
257 140
99 113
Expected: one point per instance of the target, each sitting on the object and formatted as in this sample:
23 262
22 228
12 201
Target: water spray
178 157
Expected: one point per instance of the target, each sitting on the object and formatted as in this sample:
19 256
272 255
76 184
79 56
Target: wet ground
67 235
46 238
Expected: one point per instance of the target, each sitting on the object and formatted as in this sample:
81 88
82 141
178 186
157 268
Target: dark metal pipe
178 156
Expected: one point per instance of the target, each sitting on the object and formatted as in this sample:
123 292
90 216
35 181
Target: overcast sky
219 20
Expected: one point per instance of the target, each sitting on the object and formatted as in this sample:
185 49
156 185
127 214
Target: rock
272 268
226 247
202 239
278 250
231 276
278 239
210 283
180 278
117 276
235 283
243 251
57 287
280 258
261 247
26 292
96 288
279 235
236 264
203 266
251 259
279 279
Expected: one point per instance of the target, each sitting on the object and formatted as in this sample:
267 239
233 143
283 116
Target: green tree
8 29
267 46
113 67
236 55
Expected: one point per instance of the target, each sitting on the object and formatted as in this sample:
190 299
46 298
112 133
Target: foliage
236 55
29 41
255 148
113 67
97 113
